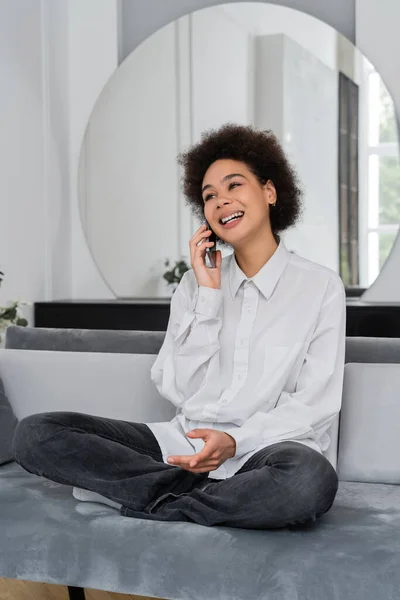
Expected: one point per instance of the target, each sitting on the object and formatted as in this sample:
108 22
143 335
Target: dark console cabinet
152 314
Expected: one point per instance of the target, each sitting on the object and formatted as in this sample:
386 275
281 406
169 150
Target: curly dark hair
263 155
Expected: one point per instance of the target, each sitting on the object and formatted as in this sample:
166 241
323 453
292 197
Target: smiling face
229 186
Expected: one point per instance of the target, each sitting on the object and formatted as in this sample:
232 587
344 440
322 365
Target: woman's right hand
206 276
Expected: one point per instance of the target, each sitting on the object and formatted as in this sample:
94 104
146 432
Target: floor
12 589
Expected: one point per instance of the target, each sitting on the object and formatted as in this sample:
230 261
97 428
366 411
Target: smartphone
210 250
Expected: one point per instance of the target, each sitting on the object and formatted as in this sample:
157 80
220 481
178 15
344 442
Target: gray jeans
282 485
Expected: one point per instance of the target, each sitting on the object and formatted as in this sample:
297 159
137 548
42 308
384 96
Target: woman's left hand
219 446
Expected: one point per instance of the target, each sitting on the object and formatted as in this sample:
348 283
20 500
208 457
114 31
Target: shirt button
223 401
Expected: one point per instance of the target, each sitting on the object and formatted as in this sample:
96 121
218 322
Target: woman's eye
231 185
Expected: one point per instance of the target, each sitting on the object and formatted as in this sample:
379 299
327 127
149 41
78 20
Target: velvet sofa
352 552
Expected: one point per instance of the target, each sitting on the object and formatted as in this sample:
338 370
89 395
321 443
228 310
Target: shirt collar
266 278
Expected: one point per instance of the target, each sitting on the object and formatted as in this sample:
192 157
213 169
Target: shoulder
317 276
187 283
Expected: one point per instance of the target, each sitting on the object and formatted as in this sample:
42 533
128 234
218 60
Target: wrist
233 443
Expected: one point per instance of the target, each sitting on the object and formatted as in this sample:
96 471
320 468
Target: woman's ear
270 191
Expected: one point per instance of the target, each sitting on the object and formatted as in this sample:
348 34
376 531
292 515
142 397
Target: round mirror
246 63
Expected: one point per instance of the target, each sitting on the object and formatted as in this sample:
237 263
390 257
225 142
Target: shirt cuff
245 440
208 301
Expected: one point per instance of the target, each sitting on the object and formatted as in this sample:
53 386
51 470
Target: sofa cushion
369 441
8 423
350 552
112 385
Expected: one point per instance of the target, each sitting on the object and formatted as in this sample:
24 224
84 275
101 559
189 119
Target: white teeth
236 214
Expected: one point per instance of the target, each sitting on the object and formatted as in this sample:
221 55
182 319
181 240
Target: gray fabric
358 349
351 552
372 350
369 442
83 340
8 423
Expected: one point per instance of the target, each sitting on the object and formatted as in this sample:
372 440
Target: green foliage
11 315
344 268
174 275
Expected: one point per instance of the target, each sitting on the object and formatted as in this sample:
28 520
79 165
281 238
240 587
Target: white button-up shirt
261 358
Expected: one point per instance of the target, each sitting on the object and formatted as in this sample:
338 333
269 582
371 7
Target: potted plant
12 314
175 274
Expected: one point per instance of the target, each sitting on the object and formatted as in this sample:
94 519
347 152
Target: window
379 175
348 181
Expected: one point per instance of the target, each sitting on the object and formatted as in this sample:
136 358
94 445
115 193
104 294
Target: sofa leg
76 593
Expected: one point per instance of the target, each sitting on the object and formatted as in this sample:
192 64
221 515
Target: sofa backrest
84 340
372 350
358 349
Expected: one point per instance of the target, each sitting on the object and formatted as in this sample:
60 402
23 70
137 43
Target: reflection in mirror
267 65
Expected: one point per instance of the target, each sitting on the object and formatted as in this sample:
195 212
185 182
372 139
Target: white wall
24 244
93 49
54 59
54 16
377 36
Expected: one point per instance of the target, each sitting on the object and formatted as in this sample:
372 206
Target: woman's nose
224 200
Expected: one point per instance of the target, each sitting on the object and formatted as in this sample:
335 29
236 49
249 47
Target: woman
253 360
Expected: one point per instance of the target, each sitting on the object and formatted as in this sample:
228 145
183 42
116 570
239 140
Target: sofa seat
351 552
